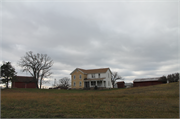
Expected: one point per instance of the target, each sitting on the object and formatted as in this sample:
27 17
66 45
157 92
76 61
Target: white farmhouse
89 78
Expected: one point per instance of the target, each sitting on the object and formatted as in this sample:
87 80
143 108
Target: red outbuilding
147 82
23 82
120 84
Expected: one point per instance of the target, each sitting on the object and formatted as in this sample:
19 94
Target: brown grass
160 101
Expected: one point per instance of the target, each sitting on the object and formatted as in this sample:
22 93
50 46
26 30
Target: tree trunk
113 84
7 84
40 83
37 84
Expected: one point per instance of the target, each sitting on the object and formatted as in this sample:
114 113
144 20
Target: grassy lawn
160 101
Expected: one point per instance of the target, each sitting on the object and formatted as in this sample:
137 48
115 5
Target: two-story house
89 78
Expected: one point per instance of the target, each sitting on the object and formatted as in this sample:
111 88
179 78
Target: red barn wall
120 85
18 85
146 83
23 85
31 85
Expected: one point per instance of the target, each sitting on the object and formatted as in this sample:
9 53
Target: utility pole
54 82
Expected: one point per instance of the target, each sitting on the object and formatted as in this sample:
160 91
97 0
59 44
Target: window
93 75
79 76
80 83
74 76
99 83
74 83
99 75
108 75
93 83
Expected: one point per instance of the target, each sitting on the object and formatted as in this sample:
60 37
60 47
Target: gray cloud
137 39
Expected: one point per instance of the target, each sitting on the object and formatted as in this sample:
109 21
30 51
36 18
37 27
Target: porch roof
94 79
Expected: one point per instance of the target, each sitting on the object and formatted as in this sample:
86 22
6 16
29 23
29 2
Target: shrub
95 88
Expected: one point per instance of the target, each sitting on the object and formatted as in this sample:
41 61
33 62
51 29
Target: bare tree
64 83
115 77
45 74
38 65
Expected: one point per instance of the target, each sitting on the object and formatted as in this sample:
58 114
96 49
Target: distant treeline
170 78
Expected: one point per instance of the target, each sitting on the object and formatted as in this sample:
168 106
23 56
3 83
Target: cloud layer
136 39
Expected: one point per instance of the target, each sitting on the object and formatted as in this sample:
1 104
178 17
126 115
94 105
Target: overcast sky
137 39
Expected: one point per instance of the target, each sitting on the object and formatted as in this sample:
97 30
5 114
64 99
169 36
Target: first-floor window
74 83
99 83
80 83
93 83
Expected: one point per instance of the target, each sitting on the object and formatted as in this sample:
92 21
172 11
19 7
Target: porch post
89 83
96 83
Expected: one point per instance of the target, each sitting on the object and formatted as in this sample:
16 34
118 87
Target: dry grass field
160 101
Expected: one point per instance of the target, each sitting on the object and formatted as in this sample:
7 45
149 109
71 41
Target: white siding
106 75
108 79
102 75
89 76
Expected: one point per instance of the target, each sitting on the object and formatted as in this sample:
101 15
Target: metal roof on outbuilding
146 79
23 79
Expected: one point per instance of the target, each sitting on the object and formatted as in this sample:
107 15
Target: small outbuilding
23 82
120 84
147 81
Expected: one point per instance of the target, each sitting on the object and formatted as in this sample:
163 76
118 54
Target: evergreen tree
7 73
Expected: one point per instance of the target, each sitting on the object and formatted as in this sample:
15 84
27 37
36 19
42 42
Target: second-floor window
99 75
74 76
93 75
79 76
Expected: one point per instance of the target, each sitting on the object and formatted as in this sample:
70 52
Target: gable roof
23 79
120 82
93 71
146 79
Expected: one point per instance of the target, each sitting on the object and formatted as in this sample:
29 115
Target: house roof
23 79
93 71
120 82
146 79
93 79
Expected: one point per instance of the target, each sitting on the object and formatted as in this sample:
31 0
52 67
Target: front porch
93 83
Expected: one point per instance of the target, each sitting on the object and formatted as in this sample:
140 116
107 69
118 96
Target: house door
86 84
104 83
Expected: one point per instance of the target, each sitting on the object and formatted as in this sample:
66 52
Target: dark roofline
23 79
147 79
